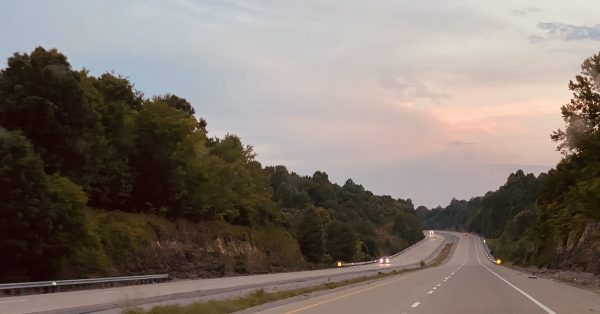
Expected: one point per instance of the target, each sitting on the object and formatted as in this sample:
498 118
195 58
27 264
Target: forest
552 220
95 177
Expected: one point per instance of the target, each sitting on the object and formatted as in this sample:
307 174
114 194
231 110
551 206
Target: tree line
535 219
69 141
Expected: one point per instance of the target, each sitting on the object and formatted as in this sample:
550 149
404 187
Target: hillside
552 220
98 179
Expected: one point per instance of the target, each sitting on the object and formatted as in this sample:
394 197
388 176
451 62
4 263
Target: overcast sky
426 100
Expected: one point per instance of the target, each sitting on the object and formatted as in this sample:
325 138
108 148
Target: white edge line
538 303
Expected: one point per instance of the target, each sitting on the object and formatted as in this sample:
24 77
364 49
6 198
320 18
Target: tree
342 241
168 161
180 104
311 236
582 113
408 227
175 102
41 216
113 182
41 96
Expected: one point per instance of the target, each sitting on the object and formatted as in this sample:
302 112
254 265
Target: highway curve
102 299
467 283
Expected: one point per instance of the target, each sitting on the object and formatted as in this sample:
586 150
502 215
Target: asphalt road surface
87 298
467 283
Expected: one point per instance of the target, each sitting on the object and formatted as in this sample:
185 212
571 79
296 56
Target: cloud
534 39
461 143
409 91
237 11
569 32
403 96
526 11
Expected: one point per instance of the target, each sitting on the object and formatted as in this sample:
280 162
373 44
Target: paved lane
467 283
65 300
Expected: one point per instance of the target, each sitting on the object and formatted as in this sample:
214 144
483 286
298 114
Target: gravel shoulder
583 280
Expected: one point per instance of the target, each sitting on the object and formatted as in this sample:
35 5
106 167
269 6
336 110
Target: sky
427 100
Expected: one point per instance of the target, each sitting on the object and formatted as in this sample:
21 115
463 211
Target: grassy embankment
118 243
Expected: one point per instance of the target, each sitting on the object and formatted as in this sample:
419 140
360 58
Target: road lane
473 289
467 283
558 297
65 300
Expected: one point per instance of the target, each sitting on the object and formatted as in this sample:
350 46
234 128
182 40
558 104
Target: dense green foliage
342 222
71 140
41 216
554 219
489 214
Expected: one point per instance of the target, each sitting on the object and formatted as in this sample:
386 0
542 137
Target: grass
438 260
253 299
260 297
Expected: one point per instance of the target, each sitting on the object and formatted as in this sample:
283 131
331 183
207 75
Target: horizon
410 100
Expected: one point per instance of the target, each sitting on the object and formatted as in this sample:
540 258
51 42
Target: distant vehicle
384 260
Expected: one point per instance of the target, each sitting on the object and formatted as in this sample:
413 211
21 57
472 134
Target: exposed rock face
195 253
130 244
581 249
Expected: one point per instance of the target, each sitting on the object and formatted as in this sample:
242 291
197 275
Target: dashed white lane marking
538 303
347 295
415 304
13 301
430 292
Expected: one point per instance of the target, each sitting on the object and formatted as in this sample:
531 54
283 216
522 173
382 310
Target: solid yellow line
346 295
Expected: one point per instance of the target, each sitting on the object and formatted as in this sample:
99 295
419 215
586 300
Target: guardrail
488 253
21 288
377 260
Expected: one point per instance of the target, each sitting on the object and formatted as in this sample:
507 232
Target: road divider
350 264
22 288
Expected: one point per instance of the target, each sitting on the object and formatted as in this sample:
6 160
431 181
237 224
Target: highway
96 300
467 283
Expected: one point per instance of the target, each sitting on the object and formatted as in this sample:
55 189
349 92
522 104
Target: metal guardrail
74 284
488 253
377 260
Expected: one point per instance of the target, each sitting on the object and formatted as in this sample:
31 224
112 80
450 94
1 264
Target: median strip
255 298
260 297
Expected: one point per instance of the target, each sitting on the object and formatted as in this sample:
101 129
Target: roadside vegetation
552 220
444 254
255 298
96 177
